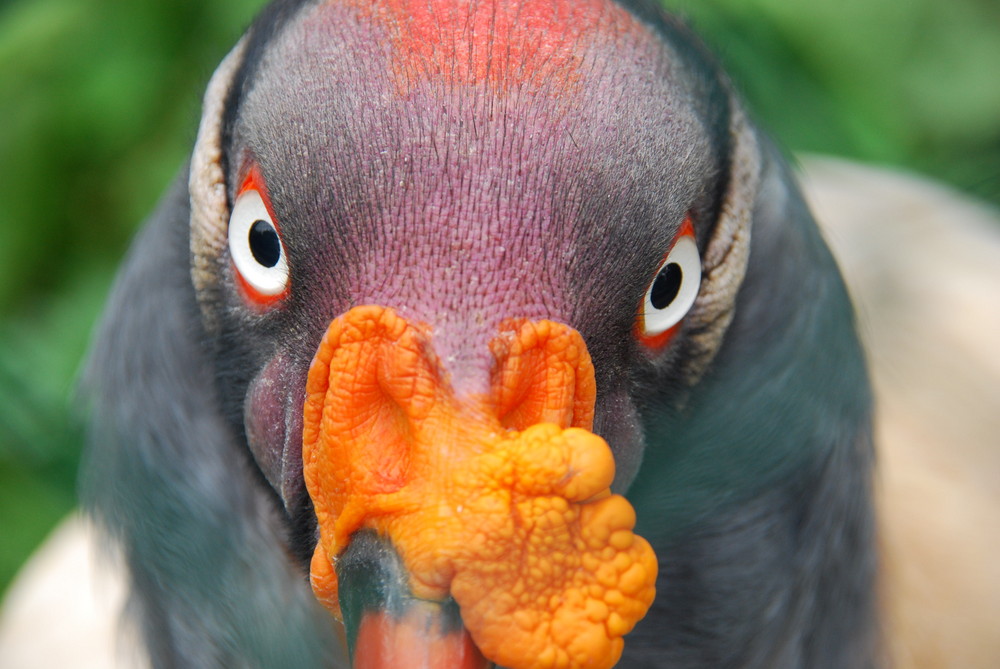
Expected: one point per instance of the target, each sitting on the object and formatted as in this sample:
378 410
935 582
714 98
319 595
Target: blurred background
99 103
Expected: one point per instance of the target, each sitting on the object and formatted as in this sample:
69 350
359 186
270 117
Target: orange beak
497 509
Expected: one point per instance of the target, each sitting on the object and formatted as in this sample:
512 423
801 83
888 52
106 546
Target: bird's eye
256 249
672 291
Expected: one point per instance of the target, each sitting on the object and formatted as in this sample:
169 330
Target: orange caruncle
502 502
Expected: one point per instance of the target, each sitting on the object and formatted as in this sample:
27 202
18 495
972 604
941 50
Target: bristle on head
502 43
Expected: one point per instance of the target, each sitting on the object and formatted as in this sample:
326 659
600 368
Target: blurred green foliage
99 105
98 108
913 83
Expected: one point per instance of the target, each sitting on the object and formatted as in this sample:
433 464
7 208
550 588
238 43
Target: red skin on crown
503 43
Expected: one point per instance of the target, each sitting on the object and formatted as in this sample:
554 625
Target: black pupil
666 286
264 244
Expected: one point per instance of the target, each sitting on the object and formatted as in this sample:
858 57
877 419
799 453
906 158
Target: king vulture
484 332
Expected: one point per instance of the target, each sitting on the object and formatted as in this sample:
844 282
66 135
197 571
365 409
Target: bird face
440 250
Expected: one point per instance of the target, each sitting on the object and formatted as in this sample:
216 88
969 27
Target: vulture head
483 333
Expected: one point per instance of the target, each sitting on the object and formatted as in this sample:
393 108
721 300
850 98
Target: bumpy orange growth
503 502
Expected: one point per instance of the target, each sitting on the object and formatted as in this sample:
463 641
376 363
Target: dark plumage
520 183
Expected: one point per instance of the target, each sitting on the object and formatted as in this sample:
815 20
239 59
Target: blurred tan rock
923 264
64 608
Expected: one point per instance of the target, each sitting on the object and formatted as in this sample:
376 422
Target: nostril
383 448
543 374
373 379
536 390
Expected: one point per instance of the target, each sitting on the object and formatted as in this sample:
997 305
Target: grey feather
212 585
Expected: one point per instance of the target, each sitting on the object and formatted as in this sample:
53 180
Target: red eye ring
259 260
254 180
685 276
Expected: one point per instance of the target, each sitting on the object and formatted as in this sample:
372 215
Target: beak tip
418 639
386 625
